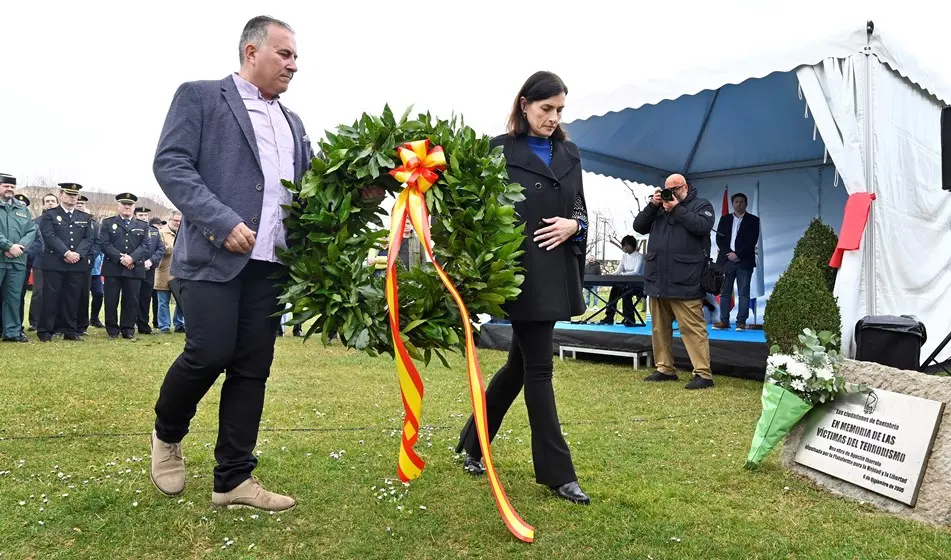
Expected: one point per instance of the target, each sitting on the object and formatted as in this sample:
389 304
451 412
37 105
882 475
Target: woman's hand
557 232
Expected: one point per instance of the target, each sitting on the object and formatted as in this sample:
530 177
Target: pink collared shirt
275 143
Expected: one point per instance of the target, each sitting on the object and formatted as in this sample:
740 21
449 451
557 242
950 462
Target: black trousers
626 293
61 292
36 298
82 316
145 301
231 328
123 321
154 305
530 363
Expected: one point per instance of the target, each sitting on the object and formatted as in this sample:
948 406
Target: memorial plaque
878 440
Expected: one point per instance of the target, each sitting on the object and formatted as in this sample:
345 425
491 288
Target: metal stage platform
732 353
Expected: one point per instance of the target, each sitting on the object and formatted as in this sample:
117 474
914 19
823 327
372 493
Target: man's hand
733 257
15 251
126 261
371 193
669 205
148 264
656 200
72 257
240 240
560 230
8 254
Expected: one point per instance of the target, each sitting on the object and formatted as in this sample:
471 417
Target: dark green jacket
16 228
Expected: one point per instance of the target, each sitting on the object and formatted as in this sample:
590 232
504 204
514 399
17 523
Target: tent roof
745 115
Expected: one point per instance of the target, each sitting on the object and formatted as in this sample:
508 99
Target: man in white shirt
632 264
737 235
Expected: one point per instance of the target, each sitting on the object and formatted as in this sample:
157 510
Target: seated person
632 263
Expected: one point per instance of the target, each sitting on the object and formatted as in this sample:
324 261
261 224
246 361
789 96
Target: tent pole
869 255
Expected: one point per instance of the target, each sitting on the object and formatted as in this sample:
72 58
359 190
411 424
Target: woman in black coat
541 159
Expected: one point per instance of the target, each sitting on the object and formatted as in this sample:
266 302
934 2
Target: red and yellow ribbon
418 172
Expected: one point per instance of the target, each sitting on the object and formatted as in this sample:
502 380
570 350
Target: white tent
799 132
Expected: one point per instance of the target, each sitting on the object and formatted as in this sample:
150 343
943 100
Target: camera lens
667 195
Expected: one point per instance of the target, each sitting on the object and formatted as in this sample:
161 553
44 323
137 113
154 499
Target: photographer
679 224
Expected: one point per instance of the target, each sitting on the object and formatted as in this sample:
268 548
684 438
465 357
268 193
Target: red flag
853 225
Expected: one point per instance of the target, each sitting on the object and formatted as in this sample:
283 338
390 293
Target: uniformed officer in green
67 239
17 231
124 241
29 266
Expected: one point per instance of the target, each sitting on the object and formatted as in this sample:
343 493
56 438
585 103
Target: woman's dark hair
540 85
629 240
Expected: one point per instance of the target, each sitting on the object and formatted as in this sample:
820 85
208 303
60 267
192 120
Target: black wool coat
552 287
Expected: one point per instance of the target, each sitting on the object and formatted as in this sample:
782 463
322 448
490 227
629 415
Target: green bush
818 243
800 300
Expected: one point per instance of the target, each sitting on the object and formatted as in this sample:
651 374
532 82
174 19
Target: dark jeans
231 328
742 277
530 364
96 289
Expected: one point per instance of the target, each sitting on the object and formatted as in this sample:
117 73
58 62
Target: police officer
67 239
156 252
16 234
29 264
125 243
82 318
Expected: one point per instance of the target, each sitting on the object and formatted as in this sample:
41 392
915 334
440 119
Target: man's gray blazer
207 164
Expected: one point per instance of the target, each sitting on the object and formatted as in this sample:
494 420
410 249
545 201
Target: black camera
667 195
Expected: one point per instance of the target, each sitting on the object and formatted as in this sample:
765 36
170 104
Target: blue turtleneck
541 147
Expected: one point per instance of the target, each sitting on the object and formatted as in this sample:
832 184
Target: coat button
258 187
254 220
557 185
538 185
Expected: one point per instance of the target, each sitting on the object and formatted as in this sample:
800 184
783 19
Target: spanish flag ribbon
419 174
420 164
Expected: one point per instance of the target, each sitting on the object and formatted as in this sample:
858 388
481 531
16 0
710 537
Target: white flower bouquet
794 384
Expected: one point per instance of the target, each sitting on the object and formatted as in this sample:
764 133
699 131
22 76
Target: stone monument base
934 497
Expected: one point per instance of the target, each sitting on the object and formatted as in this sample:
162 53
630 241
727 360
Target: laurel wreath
331 229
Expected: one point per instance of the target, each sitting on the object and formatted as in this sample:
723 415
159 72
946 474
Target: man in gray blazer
224 149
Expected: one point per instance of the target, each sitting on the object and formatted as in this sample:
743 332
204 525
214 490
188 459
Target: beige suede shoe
168 466
250 494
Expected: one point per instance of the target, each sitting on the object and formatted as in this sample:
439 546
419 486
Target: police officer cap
126 198
156 222
22 198
142 210
7 179
82 198
70 188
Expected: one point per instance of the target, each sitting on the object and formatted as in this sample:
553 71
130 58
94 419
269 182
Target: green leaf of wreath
332 230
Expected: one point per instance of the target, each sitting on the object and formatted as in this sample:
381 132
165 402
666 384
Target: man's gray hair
174 213
255 33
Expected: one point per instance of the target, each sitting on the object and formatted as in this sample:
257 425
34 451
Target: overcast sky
86 85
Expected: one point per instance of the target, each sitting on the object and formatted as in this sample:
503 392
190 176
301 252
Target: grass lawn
663 467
